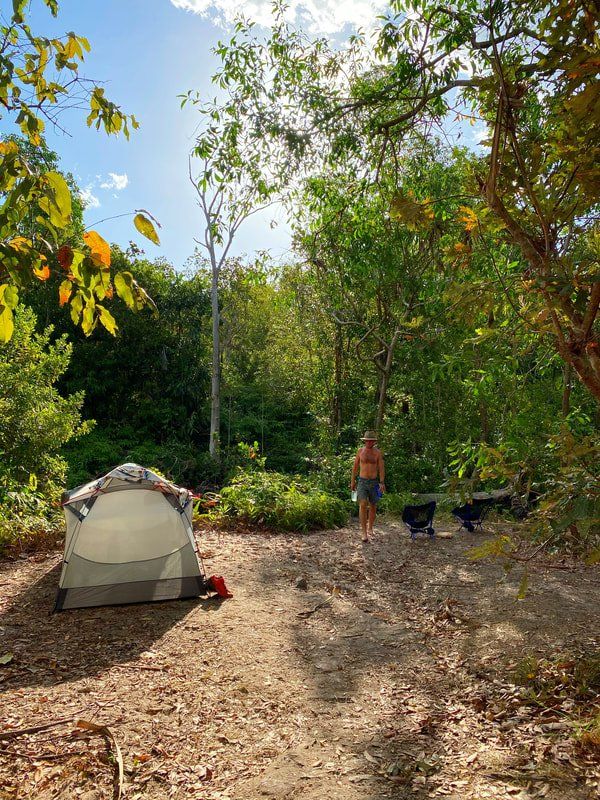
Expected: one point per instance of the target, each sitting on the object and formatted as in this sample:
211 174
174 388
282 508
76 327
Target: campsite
396 673
299 400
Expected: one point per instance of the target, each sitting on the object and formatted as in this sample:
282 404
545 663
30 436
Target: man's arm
354 471
381 472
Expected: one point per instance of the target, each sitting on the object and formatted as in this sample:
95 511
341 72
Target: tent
129 540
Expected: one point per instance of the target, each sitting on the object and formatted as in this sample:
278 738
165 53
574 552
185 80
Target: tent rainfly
129 540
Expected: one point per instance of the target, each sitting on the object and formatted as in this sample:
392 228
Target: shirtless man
370 460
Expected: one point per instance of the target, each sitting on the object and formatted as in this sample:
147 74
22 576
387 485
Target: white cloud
480 134
89 199
316 16
114 181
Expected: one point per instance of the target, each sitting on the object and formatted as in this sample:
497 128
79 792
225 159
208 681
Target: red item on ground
218 585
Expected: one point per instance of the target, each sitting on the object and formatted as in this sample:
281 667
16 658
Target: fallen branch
310 611
41 756
11 734
147 667
109 737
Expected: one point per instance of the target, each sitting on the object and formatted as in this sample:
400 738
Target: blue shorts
366 489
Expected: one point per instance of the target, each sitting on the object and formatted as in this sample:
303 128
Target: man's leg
363 514
372 512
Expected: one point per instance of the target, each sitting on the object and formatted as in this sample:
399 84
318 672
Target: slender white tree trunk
215 394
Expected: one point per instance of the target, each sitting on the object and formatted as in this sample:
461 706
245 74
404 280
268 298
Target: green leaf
78 259
10 296
107 319
146 228
76 307
18 6
57 205
6 658
124 285
88 322
62 195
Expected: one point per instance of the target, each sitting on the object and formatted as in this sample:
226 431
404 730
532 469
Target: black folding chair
419 519
472 515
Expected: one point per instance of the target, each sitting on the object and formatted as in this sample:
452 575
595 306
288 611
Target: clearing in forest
402 671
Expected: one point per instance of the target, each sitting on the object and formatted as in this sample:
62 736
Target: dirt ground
388 676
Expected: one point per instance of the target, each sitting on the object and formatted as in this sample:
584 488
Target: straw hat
370 436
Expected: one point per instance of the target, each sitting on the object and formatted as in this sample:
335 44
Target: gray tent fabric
129 540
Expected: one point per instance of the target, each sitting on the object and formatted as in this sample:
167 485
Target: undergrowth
30 520
273 500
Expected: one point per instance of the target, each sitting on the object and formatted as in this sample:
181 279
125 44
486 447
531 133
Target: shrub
29 520
332 473
278 501
394 502
35 421
567 516
569 511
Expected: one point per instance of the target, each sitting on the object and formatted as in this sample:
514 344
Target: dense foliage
447 296
255 496
36 421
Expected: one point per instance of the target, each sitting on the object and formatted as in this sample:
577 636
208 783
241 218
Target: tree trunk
383 384
336 411
566 398
215 393
386 370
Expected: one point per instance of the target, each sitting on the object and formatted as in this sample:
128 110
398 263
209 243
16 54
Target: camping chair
419 519
472 515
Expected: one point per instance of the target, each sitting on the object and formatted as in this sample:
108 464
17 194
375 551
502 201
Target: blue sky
147 52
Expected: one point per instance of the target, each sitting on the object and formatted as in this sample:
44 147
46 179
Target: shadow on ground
53 648
415 632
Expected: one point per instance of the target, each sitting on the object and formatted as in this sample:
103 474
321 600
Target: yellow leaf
405 209
64 292
9 295
6 324
461 254
88 322
468 218
107 319
8 148
20 243
76 307
146 228
42 272
99 247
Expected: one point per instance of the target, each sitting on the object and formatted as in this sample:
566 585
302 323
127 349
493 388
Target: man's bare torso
369 462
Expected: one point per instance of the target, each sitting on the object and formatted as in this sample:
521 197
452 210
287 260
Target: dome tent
129 540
